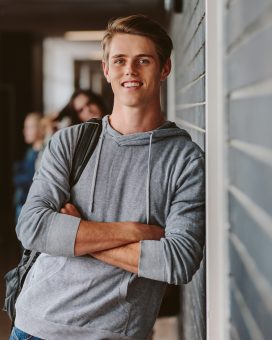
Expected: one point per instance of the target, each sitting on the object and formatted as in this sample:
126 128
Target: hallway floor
166 329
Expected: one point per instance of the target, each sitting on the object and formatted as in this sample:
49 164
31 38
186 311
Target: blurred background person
23 170
82 106
49 126
66 117
87 105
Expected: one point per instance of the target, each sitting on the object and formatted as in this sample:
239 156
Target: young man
136 217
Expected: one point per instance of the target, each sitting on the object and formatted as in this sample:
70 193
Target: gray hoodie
154 177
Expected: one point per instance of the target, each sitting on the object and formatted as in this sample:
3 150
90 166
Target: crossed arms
116 243
136 247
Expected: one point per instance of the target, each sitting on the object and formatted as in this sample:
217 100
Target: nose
131 68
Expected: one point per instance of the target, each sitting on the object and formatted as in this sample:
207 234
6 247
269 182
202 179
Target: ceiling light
84 35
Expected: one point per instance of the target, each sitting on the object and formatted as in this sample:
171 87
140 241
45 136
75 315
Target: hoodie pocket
38 282
45 267
123 291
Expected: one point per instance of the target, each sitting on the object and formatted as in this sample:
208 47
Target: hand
70 209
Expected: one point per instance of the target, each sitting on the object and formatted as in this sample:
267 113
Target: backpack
15 277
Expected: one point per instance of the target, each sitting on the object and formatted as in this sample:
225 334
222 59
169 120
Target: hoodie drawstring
99 147
148 180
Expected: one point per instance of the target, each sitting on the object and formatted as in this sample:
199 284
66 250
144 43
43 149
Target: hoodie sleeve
40 226
175 258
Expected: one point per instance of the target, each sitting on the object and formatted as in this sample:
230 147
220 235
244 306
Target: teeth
132 84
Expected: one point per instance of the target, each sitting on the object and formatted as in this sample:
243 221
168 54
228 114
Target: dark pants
17 334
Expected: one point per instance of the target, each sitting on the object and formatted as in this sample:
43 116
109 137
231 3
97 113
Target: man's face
134 70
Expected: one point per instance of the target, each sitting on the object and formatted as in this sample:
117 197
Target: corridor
219 91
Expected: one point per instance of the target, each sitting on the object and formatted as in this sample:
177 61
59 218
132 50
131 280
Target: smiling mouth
131 84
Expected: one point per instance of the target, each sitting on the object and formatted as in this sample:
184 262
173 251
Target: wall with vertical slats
248 28
188 34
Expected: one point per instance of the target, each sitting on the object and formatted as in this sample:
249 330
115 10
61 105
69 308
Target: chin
133 103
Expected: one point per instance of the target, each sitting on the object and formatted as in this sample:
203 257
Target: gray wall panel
189 9
194 115
246 52
251 61
242 14
193 70
237 318
195 93
243 225
194 33
251 304
248 119
190 51
252 177
248 46
188 34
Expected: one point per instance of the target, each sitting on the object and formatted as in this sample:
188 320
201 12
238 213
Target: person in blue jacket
23 171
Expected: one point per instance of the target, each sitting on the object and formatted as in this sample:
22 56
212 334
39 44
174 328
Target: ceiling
53 17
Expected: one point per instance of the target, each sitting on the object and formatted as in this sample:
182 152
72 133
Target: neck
132 120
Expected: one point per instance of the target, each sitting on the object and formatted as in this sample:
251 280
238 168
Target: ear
106 70
166 69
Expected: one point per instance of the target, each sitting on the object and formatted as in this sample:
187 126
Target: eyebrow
137 56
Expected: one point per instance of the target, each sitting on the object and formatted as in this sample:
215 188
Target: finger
73 209
70 207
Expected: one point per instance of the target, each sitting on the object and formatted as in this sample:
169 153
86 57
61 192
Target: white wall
58 69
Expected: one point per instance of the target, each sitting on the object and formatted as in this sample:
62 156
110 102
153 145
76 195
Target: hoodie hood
168 129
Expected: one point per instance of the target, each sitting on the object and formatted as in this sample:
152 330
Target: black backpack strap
15 278
87 142
31 256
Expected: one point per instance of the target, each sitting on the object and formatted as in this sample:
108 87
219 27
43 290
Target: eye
119 61
143 61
